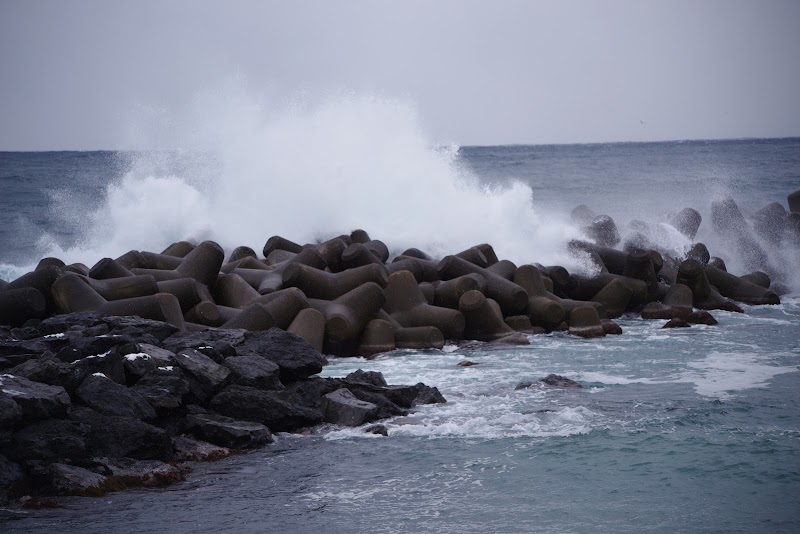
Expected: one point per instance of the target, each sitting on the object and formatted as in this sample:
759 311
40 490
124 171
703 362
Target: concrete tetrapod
19 305
692 274
278 311
406 303
448 293
512 298
277 242
42 280
310 325
378 337
739 289
544 308
430 268
358 254
318 284
614 297
179 249
72 294
585 322
267 281
483 323
346 316
414 337
759 278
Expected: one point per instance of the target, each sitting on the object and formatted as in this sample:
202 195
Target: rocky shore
115 375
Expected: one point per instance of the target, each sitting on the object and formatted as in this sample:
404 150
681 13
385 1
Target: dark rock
214 343
127 472
107 397
560 381
380 430
254 371
140 329
611 328
58 324
603 231
228 432
24 333
84 347
427 395
205 376
386 408
467 363
523 385
341 407
296 358
29 347
701 317
48 440
676 323
192 450
111 364
366 377
147 359
11 475
63 479
165 389
46 369
37 401
10 412
266 407
117 436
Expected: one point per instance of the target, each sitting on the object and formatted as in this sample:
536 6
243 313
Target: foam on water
721 373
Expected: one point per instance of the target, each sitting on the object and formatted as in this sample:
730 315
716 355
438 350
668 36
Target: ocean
681 430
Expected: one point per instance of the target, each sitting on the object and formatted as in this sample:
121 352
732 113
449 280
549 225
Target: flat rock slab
254 371
128 472
269 408
66 479
341 407
192 450
228 432
107 397
37 400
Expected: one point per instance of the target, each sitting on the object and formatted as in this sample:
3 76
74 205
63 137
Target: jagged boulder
117 436
107 397
228 432
165 389
341 407
48 440
37 401
269 408
254 371
64 479
296 358
205 377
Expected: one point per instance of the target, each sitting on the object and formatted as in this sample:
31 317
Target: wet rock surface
81 422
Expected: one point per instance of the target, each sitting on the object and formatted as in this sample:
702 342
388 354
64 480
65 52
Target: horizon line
589 143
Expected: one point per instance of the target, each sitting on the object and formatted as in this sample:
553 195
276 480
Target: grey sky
75 74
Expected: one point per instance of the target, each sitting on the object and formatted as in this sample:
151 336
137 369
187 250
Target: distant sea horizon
498 145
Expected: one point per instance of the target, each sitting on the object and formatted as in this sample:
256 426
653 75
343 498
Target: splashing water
310 174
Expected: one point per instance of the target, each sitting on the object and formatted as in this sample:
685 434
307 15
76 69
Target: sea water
681 430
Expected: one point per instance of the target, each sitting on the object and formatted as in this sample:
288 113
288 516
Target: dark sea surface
682 430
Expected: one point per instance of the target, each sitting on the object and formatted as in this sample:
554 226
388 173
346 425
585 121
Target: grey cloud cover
74 74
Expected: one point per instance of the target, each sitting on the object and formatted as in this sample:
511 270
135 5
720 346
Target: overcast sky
74 75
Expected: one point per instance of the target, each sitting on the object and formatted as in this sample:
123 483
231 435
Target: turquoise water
680 430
